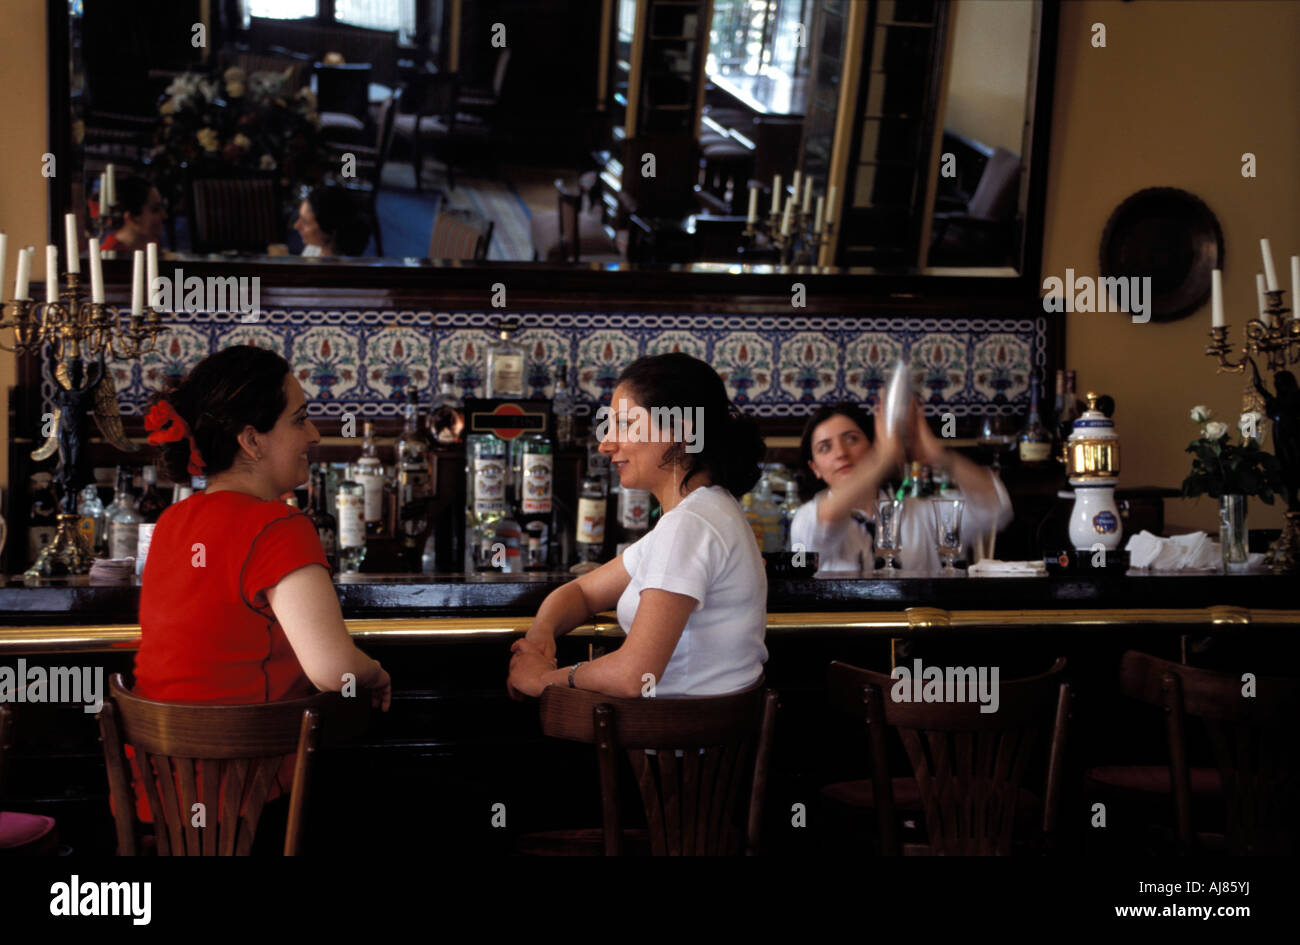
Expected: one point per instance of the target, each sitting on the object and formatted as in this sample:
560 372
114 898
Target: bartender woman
838 522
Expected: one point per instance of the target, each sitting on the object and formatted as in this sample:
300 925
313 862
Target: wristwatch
573 669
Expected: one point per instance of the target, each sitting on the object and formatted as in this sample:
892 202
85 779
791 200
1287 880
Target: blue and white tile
1000 367
939 366
868 361
744 359
602 355
395 359
327 361
809 366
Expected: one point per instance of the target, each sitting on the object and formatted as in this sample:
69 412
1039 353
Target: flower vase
1232 532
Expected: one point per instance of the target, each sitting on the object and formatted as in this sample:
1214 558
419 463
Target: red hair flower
165 425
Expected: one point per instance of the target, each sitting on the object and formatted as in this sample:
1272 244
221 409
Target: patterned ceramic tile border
779 366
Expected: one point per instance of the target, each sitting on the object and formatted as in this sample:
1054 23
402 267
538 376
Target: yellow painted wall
1180 91
989 72
23 199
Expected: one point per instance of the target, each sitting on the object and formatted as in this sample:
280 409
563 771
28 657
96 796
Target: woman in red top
236 601
139 218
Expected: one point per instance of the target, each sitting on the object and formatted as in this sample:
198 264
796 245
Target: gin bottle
535 498
369 473
486 463
124 529
447 418
506 363
352 525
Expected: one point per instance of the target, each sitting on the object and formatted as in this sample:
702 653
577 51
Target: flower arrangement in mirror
1221 467
236 121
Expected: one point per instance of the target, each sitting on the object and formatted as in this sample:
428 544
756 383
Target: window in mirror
281 9
377 14
751 36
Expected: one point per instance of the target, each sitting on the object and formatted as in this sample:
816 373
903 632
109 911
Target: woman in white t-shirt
691 595
839 522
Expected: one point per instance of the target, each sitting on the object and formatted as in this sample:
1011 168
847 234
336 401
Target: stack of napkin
991 567
112 570
1191 552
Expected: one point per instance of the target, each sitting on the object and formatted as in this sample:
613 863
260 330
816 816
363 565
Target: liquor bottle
124 529
506 363
447 417
412 477
633 517
121 485
42 522
152 503
1035 441
327 524
562 407
369 473
351 510
93 523
590 530
768 514
486 478
535 491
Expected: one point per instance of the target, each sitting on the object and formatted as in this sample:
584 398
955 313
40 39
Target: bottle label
1104 522
1033 452
634 509
123 539
508 375
352 521
539 469
591 521
143 541
489 485
86 525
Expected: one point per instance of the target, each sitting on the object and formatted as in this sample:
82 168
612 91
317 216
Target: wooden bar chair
21 834
225 757
968 767
1255 746
460 233
701 764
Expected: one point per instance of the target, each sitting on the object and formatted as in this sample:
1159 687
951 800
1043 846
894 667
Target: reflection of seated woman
691 594
838 522
330 224
139 218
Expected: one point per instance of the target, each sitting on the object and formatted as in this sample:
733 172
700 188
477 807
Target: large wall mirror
508 132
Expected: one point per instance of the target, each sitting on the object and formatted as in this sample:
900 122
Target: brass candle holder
1278 341
83 335
800 247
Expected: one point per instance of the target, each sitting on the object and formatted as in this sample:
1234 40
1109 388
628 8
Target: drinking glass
948 518
889 517
996 436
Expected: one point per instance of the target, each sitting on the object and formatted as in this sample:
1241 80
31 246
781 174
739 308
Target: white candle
4 255
70 229
776 195
821 213
830 205
24 272
96 274
798 176
1270 274
807 197
103 196
785 220
1295 285
151 270
111 176
1216 299
137 283
1263 302
750 217
51 273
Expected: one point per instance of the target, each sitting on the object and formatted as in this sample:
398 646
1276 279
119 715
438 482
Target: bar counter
454 741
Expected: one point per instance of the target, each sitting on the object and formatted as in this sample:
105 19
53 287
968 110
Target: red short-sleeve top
207 632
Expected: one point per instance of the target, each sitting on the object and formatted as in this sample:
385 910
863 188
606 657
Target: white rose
1201 414
1251 424
1214 430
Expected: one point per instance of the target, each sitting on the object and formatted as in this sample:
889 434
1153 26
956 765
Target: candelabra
801 246
1277 339
83 335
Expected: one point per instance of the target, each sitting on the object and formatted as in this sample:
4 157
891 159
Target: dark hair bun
237 387
745 451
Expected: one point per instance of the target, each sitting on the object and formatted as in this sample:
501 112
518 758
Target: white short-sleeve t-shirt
704 549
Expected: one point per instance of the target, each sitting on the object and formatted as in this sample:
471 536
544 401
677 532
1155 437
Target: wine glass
889 517
996 436
948 538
